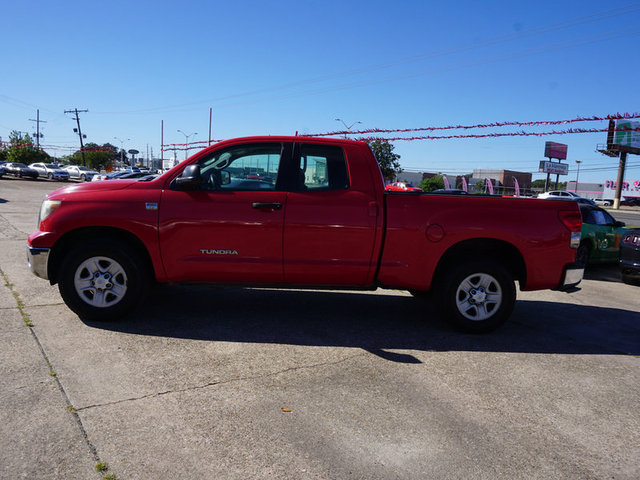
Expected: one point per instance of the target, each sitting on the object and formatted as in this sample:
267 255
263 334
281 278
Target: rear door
330 227
229 231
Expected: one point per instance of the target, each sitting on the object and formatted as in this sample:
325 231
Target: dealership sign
554 167
629 189
555 150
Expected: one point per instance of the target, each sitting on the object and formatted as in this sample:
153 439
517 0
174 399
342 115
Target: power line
572 22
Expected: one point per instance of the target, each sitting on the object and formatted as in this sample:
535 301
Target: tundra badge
207 251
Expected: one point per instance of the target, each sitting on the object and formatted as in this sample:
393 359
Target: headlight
47 208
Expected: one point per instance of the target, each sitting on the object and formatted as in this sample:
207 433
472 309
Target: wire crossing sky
284 67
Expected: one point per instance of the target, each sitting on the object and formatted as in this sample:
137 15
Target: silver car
50 171
84 174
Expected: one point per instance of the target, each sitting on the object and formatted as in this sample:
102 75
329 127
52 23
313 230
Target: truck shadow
376 323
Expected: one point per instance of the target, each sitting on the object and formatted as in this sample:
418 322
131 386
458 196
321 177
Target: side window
587 216
600 217
242 167
321 167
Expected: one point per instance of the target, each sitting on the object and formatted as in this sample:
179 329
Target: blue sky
281 67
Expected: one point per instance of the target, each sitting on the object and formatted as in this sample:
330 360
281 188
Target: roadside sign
558 168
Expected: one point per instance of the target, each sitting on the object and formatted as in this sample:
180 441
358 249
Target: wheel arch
87 234
500 251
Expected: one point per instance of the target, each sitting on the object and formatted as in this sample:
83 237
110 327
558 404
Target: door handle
265 206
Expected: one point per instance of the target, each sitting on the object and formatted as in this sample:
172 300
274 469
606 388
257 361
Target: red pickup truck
299 212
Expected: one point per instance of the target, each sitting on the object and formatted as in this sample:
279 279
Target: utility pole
79 132
210 118
38 122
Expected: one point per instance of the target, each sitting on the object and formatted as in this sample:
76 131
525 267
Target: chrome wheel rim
478 297
100 281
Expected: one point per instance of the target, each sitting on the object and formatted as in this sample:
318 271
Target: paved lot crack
69 407
9 232
222 382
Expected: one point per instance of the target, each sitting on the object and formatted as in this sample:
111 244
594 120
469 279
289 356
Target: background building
587 190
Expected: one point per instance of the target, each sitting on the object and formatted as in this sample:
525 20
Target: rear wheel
478 297
49 176
102 281
584 251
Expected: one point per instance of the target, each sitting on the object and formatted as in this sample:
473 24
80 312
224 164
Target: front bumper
38 260
630 268
572 277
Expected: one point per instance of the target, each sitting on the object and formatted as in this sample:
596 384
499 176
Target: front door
229 230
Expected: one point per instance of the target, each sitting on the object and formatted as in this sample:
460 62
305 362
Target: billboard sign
555 150
630 188
627 134
554 167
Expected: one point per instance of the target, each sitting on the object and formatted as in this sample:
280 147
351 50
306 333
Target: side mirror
619 224
189 179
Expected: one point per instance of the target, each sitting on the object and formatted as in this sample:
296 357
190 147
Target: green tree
388 161
432 183
95 156
539 184
21 150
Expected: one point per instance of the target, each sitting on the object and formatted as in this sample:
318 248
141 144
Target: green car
601 236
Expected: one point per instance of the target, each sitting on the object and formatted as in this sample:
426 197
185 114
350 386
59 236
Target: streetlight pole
348 127
186 141
122 147
577 174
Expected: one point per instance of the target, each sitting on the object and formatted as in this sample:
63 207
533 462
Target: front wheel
83 178
102 281
50 176
478 297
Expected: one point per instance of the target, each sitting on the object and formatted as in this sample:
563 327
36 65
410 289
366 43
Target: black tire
583 253
477 297
50 176
83 178
111 280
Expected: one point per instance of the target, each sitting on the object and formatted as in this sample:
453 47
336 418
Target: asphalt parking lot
205 382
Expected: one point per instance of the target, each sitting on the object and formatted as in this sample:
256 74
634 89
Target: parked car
84 174
20 170
402 187
630 257
604 202
118 175
630 202
3 170
450 191
563 195
50 171
558 193
600 237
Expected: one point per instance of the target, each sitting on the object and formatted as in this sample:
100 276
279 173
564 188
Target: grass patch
110 476
101 467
